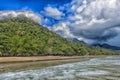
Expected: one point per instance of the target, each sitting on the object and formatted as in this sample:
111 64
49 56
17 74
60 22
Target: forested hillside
24 37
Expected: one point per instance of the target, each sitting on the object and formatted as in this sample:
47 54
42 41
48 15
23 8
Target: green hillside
24 37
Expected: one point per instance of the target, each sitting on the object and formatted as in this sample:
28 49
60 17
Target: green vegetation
24 37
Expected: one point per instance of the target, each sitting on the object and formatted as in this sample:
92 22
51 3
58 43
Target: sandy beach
39 58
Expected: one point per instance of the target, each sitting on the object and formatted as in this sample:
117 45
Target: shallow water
107 68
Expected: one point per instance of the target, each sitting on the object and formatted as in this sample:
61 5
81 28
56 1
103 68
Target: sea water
106 68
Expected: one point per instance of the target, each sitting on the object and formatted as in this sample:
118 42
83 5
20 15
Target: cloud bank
90 20
28 14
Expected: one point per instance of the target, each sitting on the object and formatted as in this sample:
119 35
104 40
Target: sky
91 21
34 5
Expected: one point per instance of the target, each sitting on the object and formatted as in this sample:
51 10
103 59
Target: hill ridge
21 36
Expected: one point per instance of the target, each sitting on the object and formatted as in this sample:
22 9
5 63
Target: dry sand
39 58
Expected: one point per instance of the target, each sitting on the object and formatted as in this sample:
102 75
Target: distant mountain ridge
107 46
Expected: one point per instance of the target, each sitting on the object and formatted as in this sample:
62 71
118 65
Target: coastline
13 64
41 58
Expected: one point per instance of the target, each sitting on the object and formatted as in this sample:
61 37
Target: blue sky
34 5
92 21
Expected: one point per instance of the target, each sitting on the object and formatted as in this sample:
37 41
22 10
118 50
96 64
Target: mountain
21 36
107 46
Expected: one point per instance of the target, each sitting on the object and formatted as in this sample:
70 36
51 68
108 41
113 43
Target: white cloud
53 12
94 20
28 14
62 30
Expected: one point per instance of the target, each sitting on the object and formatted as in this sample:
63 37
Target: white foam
92 73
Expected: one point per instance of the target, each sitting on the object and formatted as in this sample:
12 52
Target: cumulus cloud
28 14
91 20
62 30
53 12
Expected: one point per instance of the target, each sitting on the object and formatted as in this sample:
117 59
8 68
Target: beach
13 64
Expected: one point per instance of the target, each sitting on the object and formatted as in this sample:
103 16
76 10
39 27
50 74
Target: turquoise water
107 68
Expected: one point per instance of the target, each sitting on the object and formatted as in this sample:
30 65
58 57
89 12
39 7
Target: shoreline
42 58
14 64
